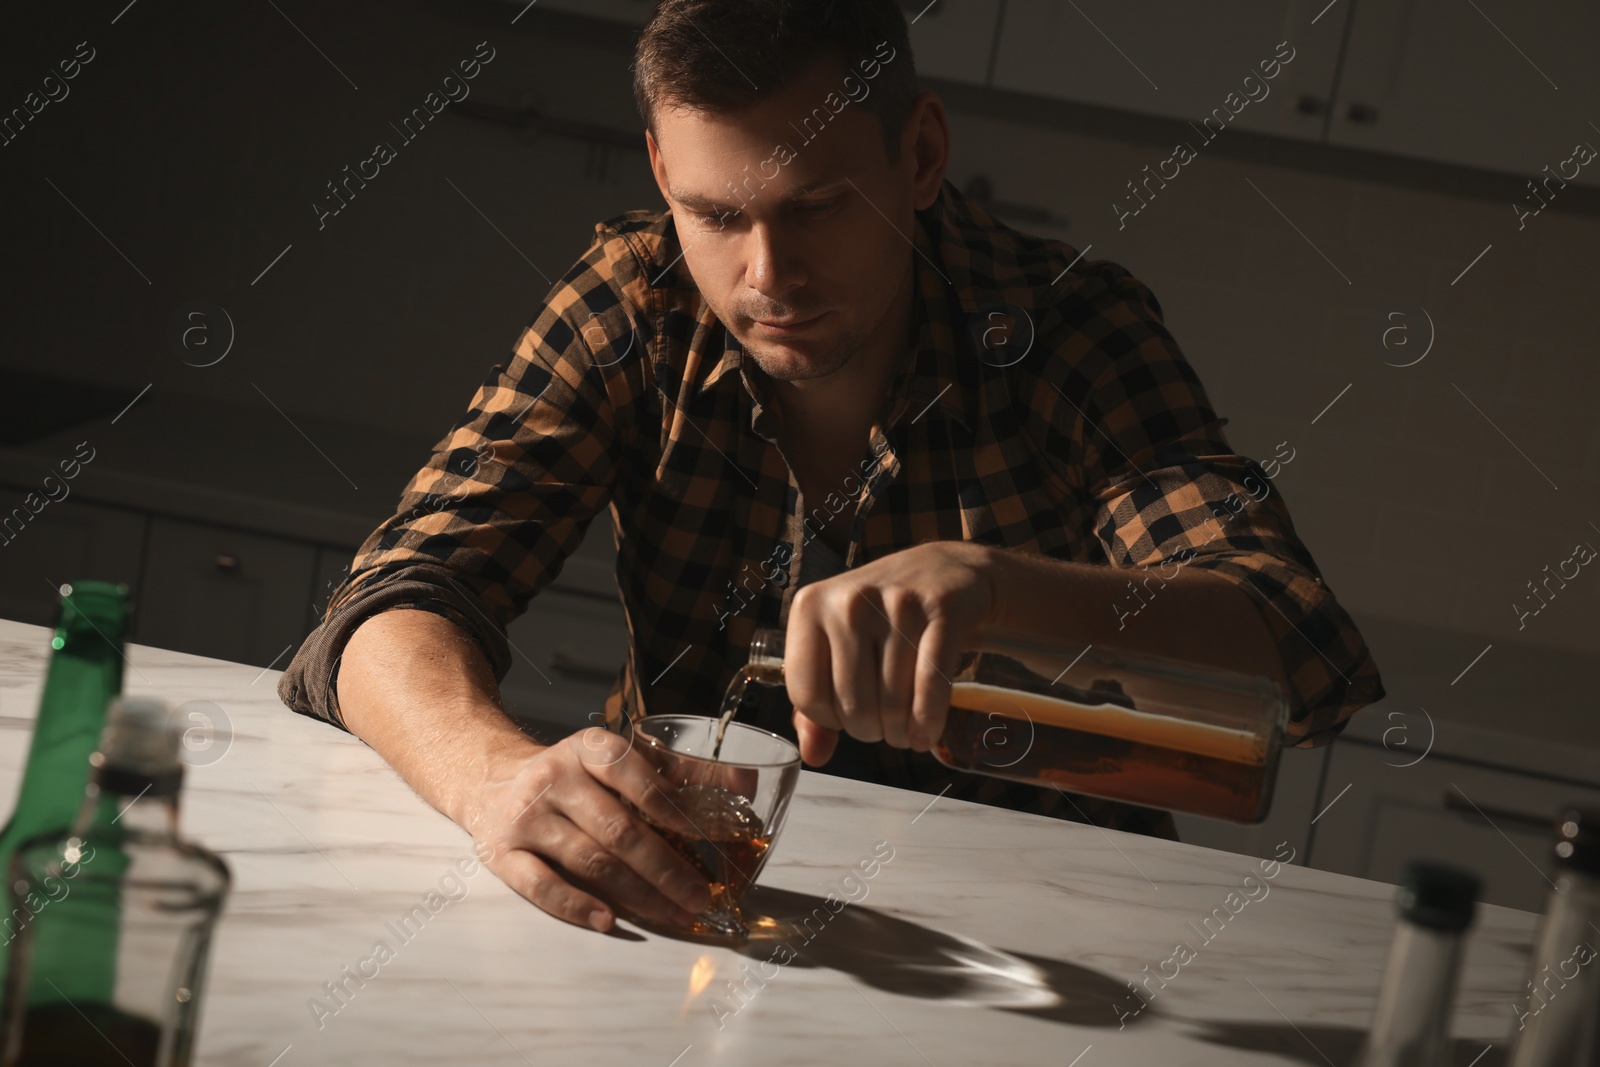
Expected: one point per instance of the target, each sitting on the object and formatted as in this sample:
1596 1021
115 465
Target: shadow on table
792 929
912 960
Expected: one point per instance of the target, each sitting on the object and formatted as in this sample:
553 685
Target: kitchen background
1385 262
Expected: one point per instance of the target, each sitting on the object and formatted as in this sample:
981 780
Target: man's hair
722 56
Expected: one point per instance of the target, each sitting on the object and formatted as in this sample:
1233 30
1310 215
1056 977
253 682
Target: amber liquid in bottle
1110 751
86 1036
1087 740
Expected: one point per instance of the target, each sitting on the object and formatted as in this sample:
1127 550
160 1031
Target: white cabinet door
64 541
1507 85
1180 60
1498 824
592 567
223 593
333 565
566 652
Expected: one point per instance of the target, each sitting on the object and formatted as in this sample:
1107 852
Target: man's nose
775 267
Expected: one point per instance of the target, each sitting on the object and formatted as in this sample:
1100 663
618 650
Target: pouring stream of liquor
731 702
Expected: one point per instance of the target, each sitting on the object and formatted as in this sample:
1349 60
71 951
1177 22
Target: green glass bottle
85 672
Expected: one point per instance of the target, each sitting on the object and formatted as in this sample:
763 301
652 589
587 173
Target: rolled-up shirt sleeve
510 490
1168 491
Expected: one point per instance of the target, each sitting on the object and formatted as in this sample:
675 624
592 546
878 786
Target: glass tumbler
737 803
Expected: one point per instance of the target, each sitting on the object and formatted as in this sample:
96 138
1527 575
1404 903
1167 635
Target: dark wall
198 139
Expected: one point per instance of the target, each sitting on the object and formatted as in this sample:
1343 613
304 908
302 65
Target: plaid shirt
1042 407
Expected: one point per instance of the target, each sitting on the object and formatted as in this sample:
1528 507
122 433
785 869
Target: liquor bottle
1140 729
1411 1027
123 937
85 672
1559 1026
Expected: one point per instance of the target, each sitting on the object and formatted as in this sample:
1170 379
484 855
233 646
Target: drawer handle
1456 802
1363 113
227 564
579 670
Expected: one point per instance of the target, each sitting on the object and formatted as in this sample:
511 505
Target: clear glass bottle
123 938
84 673
1411 1027
1558 1025
1135 728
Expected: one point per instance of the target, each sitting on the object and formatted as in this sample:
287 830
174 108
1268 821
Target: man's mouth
785 327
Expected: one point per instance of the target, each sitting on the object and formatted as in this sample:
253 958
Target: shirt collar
976 310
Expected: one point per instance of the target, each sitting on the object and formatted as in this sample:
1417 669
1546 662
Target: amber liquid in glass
86 1035
730 838
1108 751
729 842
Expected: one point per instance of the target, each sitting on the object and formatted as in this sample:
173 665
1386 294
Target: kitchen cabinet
1180 60
331 567
66 540
1496 86
1495 822
224 593
1502 86
591 570
566 652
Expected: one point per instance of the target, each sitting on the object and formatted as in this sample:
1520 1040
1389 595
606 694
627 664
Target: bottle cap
1577 846
1437 895
139 748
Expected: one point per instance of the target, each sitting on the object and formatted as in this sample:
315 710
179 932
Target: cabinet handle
1363 113
227 564
1311 105
579 670
1456 802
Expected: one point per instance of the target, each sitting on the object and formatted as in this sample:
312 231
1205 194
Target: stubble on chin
789 368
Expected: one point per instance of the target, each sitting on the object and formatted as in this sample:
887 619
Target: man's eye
717 218
818 207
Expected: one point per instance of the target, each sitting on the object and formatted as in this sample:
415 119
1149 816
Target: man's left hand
871 651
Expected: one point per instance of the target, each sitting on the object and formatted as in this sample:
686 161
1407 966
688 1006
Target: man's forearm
1194 615
421 694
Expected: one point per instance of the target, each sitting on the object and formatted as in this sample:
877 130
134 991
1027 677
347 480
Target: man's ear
928 142
658 166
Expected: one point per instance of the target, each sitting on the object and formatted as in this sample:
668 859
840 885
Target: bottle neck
767 647
84 673
108 813
1412 1024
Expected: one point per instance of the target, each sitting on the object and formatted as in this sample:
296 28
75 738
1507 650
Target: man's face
778 237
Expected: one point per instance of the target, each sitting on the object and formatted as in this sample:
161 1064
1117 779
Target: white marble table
989 938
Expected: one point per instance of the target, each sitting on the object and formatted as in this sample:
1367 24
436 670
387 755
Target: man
820 391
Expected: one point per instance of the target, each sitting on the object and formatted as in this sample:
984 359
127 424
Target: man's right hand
565 838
